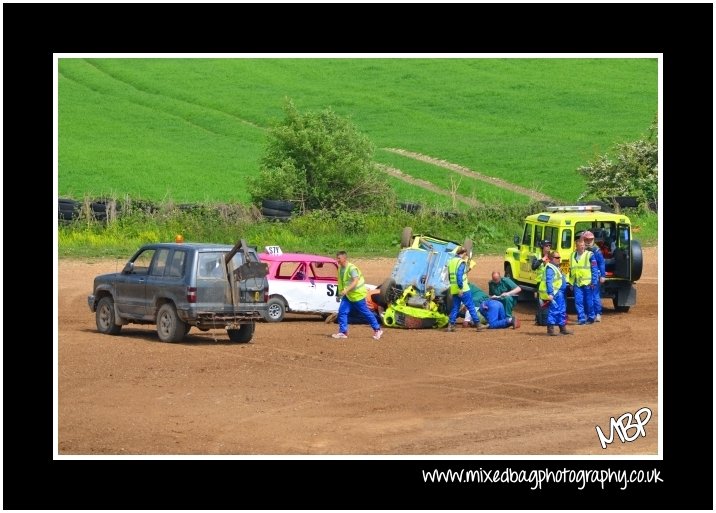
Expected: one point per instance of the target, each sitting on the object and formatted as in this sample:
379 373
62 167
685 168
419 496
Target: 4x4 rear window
211 265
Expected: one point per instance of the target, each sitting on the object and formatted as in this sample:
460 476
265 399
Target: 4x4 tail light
191 294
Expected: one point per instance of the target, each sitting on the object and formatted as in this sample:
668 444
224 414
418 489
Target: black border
32 32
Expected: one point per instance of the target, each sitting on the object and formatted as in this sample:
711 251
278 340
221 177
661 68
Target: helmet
587 235
544 243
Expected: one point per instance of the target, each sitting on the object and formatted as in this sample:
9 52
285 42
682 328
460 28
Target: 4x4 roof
194 245
565 215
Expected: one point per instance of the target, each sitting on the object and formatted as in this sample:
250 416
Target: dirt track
296 391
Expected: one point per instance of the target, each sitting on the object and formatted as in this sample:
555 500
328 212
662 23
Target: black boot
550 330
564 331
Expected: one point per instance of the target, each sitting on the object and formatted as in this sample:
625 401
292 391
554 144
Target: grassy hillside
193 129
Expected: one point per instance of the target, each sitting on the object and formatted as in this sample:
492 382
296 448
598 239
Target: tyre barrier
276 210
605 207
411 208
282 219
282 205
99 210
273 212
67 209
626 201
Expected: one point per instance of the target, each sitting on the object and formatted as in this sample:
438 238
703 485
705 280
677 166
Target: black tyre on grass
274 212
282 219
283 205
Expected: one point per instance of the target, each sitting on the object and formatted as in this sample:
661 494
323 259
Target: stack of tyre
276 210
69 209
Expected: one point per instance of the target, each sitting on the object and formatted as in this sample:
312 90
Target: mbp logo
623 424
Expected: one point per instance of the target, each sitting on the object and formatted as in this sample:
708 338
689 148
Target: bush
635 172
319 160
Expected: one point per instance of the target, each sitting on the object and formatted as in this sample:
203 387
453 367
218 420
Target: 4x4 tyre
104 317
169 327
637 260
243 335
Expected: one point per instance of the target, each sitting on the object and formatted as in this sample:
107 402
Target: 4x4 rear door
622 253
213 292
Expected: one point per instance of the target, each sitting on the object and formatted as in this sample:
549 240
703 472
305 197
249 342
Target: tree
319 160
635 172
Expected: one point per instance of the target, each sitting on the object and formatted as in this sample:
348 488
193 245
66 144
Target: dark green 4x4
563 226
179 285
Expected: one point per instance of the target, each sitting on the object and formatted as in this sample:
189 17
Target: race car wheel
276 309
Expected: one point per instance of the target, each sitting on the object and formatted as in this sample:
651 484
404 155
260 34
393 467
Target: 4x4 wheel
244 334
104 317
637 260
169 327
618 308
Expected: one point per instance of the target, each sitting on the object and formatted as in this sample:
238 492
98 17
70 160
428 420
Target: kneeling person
496 317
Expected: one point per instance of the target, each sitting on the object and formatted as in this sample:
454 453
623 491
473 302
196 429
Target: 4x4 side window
143 261
160 262
527 236
176 267
550 234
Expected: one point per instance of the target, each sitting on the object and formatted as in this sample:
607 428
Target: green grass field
193 130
